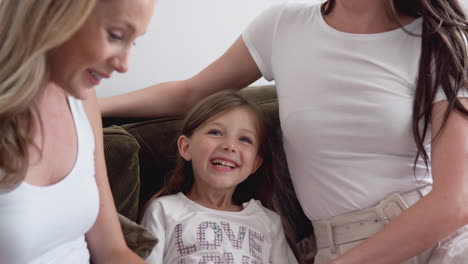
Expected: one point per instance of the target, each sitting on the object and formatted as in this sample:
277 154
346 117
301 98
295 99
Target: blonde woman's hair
29 30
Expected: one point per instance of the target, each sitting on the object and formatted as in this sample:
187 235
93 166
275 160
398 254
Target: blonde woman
55 201
373 103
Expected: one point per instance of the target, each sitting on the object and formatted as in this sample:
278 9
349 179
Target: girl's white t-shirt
189 233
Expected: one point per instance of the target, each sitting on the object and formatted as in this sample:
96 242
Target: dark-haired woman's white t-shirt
345 106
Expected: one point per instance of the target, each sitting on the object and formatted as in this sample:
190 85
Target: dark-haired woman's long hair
443 63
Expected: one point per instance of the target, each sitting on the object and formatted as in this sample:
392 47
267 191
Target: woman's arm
105 239
235 69
441 212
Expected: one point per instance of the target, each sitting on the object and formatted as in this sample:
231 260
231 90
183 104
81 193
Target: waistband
362 224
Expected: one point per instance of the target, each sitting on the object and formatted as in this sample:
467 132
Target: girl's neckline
246 206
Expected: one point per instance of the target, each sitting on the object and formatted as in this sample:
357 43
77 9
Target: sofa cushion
121 153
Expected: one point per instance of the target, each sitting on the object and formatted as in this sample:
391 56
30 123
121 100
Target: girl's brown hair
443 64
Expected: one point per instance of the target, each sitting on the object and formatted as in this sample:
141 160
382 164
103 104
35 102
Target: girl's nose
229 146
229 149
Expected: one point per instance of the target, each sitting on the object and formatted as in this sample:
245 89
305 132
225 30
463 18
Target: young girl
212 211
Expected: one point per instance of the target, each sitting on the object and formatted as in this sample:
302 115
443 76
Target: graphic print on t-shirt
241 246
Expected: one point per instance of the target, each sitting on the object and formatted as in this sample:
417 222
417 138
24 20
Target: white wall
183 37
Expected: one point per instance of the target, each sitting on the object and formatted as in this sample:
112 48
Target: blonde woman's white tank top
47 224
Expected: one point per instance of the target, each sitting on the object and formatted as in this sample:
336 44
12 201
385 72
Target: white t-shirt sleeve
153 220
259 37
281 253
440 95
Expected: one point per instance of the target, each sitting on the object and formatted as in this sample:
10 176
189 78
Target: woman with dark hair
379 164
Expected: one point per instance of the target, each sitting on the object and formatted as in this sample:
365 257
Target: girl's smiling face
101 46
223 150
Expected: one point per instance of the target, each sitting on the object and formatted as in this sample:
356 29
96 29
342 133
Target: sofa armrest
123 168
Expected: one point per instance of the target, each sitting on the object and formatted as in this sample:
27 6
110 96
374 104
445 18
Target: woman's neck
50 90
365 17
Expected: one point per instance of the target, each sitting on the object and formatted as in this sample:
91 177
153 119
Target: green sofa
140 153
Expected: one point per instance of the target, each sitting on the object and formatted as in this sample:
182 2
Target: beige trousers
337 235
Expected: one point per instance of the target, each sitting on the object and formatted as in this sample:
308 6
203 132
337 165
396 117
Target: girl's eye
246 139
215 132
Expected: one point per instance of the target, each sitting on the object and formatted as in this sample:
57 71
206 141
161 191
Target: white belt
364 223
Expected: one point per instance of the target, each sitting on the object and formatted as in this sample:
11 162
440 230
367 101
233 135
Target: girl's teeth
223 166
223 163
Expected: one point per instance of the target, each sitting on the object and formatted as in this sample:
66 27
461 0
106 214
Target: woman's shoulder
303 5
293 12
298 7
